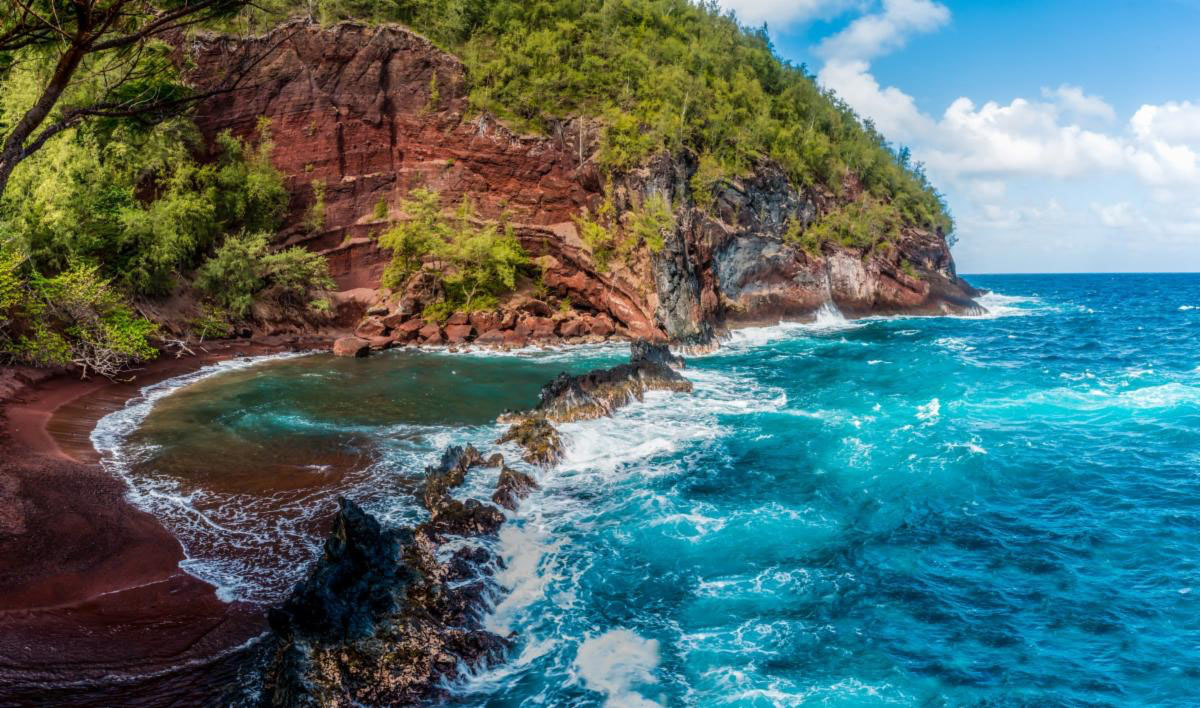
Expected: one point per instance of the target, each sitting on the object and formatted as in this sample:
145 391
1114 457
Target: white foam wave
930 412
615 663
547 352
999 305
208 526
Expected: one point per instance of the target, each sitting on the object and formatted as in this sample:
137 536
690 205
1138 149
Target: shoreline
93 604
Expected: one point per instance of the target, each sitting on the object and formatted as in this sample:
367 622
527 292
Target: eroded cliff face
374 112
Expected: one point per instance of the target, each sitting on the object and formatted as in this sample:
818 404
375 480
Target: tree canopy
92 59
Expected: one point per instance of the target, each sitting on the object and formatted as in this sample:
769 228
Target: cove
885 511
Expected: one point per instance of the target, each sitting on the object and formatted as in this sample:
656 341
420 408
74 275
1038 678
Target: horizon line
1086 272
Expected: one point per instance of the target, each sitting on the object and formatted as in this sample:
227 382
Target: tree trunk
13 150
6 168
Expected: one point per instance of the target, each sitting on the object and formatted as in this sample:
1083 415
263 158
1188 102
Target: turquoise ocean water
917 511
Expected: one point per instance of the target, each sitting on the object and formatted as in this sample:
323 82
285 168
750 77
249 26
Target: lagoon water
916 511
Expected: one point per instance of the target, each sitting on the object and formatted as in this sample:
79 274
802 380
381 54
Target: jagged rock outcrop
512 487
374 112
598 393
379 620
592 395
539 440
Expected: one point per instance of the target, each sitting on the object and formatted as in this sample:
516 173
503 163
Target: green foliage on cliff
652 221
864 224
73 318
244 269
474 261
613 236
136 204
111 212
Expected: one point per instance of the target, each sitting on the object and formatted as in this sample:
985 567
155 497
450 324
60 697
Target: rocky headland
95 608
371 113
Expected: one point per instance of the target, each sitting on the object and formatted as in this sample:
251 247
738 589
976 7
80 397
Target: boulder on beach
351 347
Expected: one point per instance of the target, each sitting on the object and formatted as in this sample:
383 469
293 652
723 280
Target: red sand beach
93 604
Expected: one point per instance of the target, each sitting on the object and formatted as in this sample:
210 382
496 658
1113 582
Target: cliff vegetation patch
472 261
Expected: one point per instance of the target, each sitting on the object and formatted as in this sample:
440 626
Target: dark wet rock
540 440
379 620
644 351
512 488
449 516
598 393
358 578
468 564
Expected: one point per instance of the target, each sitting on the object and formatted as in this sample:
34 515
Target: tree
112 50
474 261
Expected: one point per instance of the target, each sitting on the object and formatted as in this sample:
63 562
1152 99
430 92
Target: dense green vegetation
244 269
660 75
106 206
864 224
75 317
110 212
474 262
613 236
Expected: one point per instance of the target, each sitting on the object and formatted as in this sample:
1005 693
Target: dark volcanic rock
449 515
642 351
541 441
512 487
598 393
358 578
379 620
592 395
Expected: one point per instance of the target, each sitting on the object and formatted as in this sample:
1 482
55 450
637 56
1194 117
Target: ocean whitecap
614 663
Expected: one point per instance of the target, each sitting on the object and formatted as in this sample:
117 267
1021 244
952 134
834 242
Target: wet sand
94 608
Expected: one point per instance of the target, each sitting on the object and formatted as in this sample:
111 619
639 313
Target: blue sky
1066 135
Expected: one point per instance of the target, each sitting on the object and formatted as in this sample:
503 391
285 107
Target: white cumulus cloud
878 33
1072 99
1029 166
781 13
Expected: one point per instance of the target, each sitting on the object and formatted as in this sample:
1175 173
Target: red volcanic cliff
371 113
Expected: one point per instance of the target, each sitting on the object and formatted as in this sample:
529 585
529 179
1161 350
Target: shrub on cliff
613 237
865 224
243 269
474 261
74 318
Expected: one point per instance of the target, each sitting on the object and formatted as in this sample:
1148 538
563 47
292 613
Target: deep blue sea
1001 510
